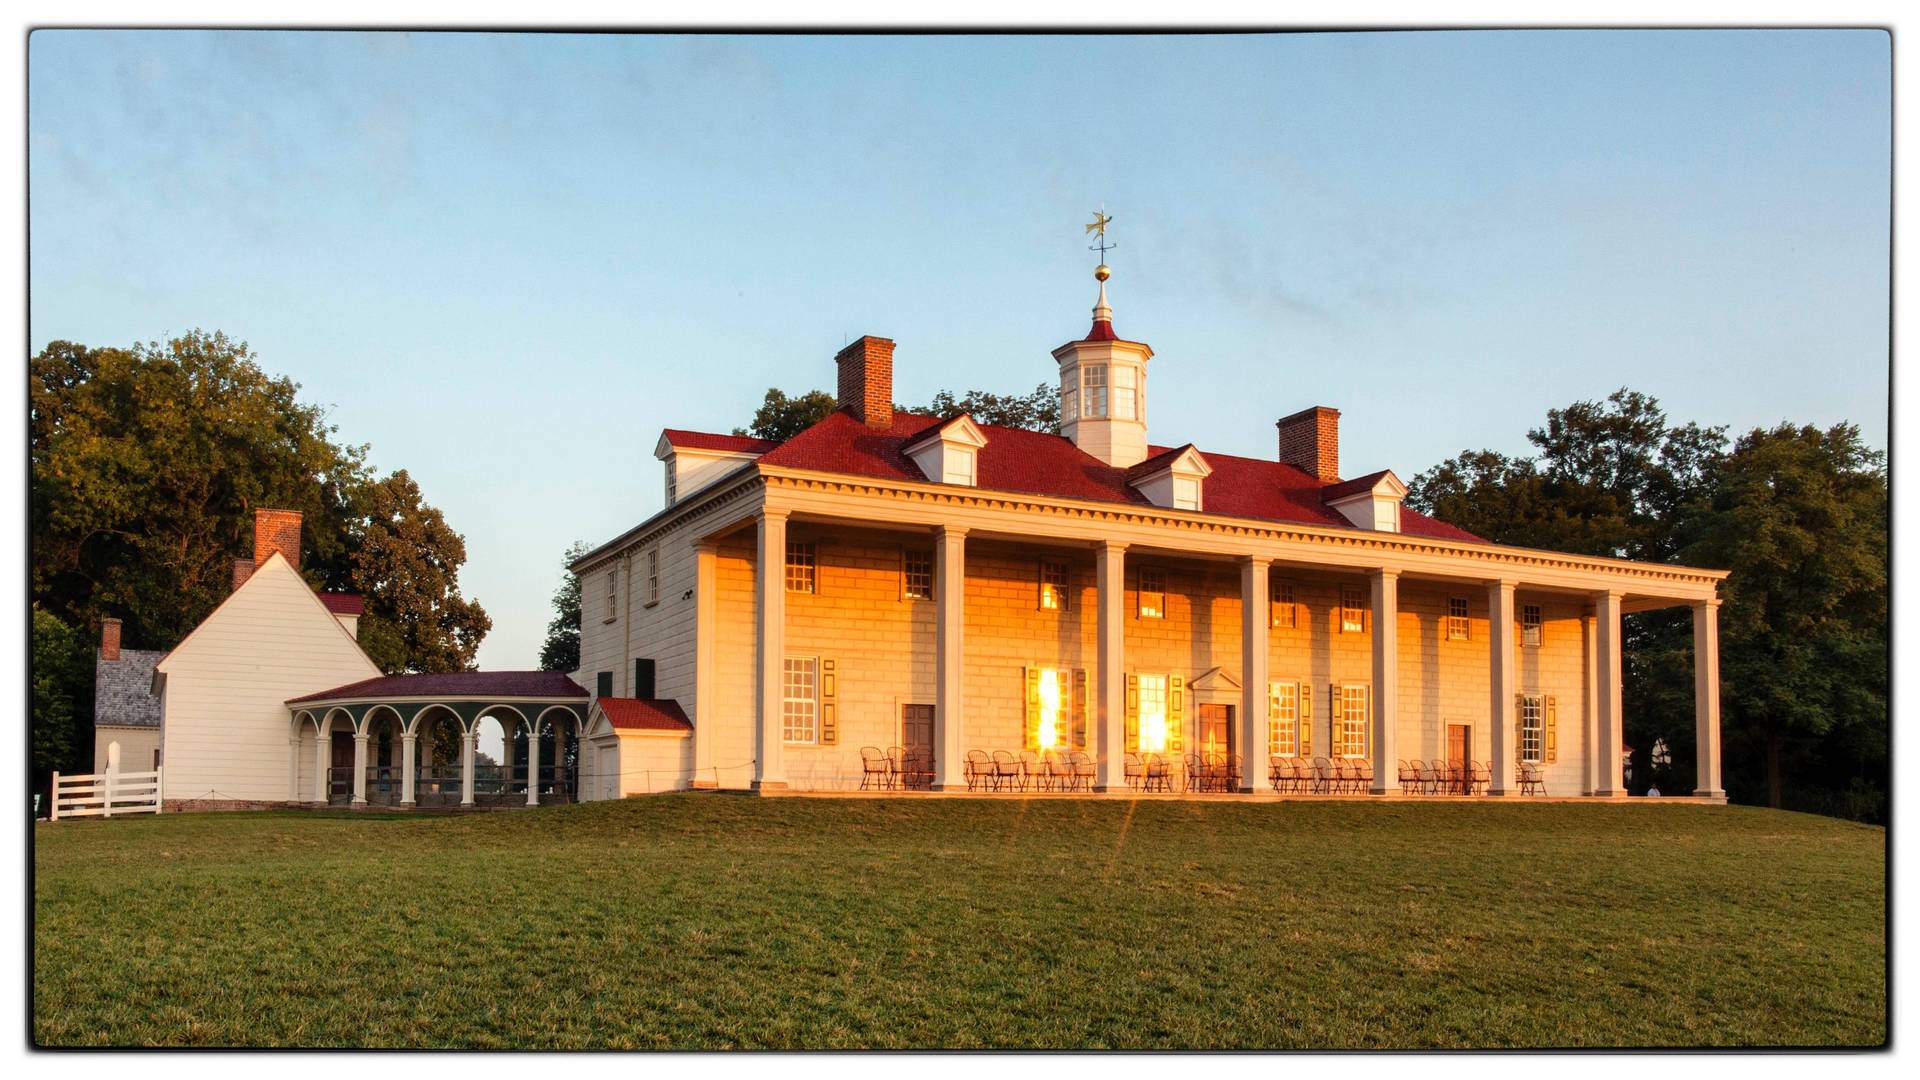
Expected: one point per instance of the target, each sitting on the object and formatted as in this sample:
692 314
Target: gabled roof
498 684
644 714
275 565
343 603
706 440
1037 463
123 688
961 428
1361 485
1168 459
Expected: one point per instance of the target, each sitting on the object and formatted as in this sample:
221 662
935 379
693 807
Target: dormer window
1093 391
1173 479
1370 502
949 453
1186 493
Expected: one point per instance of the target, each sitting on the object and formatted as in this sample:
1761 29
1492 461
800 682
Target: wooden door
1216 729
1459 754
341 782
916 738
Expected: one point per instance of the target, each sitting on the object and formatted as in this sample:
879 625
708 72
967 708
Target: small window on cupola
1093 390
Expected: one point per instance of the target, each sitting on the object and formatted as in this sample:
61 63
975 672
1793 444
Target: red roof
1352 487
651 714
343 603
494 684
706 440
1036 463
1102 331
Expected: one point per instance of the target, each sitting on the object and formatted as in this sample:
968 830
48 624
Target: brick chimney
866 380
109 639
276 530
1310 440
242 570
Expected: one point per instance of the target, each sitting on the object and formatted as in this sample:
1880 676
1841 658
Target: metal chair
1157 777
1133 771
1196 776
979 770
1006 771
1322 782
1059 771
1482 778
1531 782
897 768
874 769
1274 768
1085 770
1032 773
1409 776
1230 772
1363 776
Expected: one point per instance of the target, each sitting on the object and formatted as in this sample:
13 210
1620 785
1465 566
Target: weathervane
1099 229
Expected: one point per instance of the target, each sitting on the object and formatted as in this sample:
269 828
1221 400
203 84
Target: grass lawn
698 921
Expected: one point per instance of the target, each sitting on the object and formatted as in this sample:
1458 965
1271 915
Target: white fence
106 794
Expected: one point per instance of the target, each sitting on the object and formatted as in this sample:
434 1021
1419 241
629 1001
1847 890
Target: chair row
1319 776
1029 770
895 768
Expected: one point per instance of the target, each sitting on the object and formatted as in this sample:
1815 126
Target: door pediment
1216 679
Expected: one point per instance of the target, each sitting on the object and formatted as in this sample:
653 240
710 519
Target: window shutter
643 679
1032 740
1176 711
1519 727
829 715
1080 709
1551 736
1306 719
1133 713
603 684
1302 617
1336 723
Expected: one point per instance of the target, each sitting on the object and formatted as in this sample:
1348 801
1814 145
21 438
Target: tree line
146 466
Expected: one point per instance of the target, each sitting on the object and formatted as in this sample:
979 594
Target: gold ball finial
1102 272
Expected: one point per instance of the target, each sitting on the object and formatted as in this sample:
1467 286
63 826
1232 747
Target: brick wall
1310 440
276 530
866 380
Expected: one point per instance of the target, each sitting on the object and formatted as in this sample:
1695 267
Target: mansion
953 588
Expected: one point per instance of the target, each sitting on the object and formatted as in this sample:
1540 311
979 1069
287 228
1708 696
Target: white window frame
1121 392
1153 583
653 576
1186 493
1283 718
1353 609
803 568
1530 624
1458 626
1153 714
1055 580
1280 596
800 700
1093 391
1533 728
916 574
673 494
1356 708
611 611
1070 396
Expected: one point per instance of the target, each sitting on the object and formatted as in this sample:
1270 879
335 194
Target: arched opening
437 756
559 755
499 754
385 745
335 757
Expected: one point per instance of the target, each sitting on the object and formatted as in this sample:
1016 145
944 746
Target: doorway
340 777
1459 758
916 743
1216 729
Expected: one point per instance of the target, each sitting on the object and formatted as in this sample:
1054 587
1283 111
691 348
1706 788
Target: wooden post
53 799
113 773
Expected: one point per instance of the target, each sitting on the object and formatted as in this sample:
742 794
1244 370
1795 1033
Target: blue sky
507 261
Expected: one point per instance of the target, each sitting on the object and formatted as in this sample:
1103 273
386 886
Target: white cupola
1103 389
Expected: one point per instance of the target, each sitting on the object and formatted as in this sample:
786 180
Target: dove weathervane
1099 229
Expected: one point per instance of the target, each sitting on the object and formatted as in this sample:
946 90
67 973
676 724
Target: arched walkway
414 740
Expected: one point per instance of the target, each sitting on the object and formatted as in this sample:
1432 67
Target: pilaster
770 639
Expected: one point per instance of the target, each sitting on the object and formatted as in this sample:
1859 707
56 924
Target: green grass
695 921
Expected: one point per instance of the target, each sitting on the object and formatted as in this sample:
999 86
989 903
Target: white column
950 675
533 764
469 746
320 760
770 613
1706 700
359 768
293 768
407 743
1501 688
706 712
1110 698
1590 705
1386 680
1607 730
1254 623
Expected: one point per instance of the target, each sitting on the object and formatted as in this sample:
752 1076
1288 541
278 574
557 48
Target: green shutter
1176 712
829 714
1306 719
1336 723
1080 709
1133 713
1033 708
1551 736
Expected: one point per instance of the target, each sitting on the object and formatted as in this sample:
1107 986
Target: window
672 487
1053 692
1070 396
1533 727
1281 593
799 701
800 567
1530 624
1093 391
916 575
956 467
1053 585
653 576
1353 606
1153 714
1153 593
1457 619
1123 396
613 603
1352 741
1283 718
1186 493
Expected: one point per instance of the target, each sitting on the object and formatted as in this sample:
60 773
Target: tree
407 565
561 651
1799 517
781 418
147 464
1038 411
62 682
